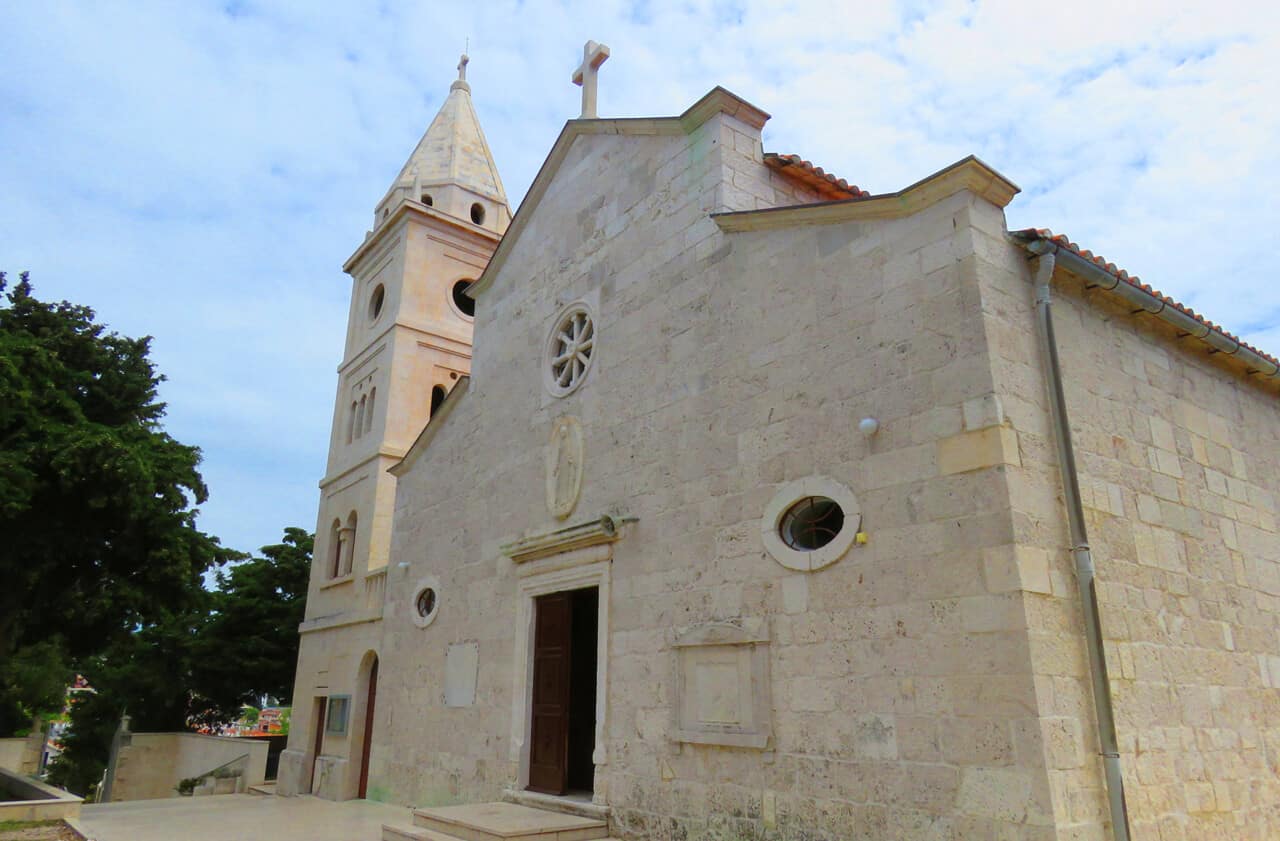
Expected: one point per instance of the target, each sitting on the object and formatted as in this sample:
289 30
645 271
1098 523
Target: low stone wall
22 753
35 800
150 765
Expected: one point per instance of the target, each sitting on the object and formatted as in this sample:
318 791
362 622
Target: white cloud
199 171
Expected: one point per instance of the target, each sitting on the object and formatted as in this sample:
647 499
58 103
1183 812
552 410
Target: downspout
1103 708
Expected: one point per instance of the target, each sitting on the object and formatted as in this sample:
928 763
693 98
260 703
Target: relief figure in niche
564 466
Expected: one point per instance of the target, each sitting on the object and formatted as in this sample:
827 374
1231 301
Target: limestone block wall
22 754
150 765
331 661
1179 461
902 697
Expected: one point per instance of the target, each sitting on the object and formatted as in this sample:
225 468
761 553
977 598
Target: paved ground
240 817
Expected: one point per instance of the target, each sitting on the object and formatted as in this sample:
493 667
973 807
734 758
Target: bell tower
409 324
408 342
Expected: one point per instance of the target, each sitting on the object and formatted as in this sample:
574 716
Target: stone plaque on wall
722 685
460 666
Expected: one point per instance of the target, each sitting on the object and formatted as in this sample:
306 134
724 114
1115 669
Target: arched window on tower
335 548
351 423
437 397
368 416
349 545
360 417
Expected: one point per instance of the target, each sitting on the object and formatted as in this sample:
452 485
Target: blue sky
199 171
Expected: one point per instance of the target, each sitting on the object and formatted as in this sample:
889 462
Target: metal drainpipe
1080 551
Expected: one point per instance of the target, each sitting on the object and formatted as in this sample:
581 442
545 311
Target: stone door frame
574 570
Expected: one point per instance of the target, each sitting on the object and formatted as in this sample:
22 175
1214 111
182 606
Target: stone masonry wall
903 704
1179 462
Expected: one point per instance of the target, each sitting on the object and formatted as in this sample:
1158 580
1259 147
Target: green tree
96 500
200 666
247 648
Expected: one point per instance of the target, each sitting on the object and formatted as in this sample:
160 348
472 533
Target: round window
465 304
477 213
570 350
426 199
811 523
375 301
425 603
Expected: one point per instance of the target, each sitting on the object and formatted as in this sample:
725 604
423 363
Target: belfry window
477 213
437 399
368 416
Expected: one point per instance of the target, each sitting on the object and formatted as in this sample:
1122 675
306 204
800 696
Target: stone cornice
411 209
967 174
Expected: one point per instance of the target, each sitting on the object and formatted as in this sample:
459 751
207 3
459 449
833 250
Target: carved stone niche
722 685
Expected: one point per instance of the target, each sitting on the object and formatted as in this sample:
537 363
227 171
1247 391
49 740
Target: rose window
570 350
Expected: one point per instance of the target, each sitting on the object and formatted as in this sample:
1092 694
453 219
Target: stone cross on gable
593 55
462 68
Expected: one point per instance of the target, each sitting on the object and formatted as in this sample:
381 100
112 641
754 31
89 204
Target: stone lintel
559 541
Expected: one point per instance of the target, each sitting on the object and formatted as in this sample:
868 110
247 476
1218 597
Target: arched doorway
366 741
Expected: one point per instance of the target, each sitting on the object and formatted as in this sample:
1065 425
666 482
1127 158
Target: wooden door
321 706
549 739
368 730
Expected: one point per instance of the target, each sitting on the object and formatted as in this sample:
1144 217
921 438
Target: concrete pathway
240 817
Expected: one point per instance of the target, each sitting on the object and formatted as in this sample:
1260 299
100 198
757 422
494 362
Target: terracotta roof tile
813 176
1133 280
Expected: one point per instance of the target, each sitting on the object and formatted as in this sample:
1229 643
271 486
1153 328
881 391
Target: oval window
477 213
375 301
426 602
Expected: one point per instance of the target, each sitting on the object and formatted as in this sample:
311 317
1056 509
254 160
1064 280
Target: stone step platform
505 822
573 804
412 833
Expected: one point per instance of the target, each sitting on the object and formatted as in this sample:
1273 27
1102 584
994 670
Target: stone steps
504 822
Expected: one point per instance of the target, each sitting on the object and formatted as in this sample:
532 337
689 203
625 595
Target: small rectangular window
339 708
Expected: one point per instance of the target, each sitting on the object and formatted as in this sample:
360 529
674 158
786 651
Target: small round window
426 199
375 301
425 603
465 304
570 350
477 213
811 523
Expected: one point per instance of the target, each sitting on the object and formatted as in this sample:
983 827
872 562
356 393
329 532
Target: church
711 496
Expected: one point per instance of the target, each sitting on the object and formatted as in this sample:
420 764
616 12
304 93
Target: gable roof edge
968 173
419 445
717 101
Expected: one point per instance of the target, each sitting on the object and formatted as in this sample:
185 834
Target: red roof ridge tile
814 176
1133 280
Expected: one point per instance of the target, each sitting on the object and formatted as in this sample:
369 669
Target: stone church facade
746 517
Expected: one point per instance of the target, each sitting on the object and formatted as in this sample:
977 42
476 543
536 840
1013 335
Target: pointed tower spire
451 168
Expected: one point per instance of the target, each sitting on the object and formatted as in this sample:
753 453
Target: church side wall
900 693
1179 462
